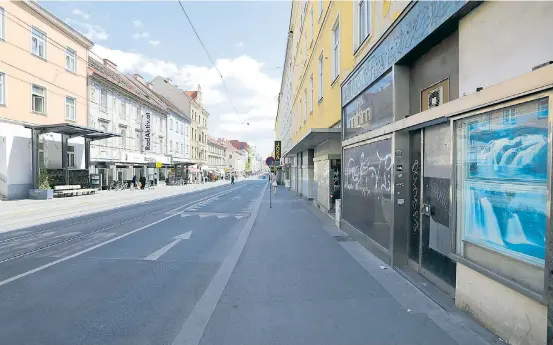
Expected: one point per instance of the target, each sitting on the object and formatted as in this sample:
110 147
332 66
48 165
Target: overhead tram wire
213 63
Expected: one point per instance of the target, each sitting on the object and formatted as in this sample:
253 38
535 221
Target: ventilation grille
435 97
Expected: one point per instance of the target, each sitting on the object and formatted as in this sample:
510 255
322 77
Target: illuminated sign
277 150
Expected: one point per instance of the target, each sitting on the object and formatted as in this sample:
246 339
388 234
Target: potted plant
44 191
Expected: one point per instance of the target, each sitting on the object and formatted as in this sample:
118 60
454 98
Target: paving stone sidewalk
301 281
19 214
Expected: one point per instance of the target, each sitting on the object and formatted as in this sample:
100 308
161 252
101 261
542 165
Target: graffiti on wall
420 21
504 168
367 189
369 174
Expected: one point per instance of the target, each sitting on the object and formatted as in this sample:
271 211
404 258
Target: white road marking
204 215
155 255
221 217
40 268
238 217
236 197
69 234
185 215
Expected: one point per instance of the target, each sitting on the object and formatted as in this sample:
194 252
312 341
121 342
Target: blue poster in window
504 179
505 219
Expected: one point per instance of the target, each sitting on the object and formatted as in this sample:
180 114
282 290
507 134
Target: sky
246 39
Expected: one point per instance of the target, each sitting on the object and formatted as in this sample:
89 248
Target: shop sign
159 165
418 23
277 149
147 131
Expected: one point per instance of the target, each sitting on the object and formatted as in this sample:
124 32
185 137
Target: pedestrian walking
134 181
232 179
142 182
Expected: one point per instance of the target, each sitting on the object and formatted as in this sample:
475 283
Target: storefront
313 169
448 182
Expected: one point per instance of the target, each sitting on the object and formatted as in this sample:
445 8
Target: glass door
430 237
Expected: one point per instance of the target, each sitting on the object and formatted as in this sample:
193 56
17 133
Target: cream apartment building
43 80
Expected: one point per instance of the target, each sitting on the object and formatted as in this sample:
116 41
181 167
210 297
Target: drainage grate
343 238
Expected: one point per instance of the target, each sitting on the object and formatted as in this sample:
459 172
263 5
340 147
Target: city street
210 267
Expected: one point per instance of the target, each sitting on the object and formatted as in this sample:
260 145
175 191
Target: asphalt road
131 275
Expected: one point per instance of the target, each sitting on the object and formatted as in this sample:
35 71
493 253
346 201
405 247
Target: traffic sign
270 161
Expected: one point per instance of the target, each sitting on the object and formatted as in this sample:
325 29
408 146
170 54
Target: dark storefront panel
371 109
367 203
415 188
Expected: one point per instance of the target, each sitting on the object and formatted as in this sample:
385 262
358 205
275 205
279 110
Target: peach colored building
43 80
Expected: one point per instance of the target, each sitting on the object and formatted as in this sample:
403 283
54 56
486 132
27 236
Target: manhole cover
343 238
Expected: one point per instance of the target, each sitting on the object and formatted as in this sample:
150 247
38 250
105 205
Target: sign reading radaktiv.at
277 150
147 131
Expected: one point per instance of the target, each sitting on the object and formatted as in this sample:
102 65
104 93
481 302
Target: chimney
110 64
139 78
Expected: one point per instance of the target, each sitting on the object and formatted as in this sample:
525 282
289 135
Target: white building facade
118 106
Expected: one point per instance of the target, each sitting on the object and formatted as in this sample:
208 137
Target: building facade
318 57
216 154
43 81
446 163
190 104
118 104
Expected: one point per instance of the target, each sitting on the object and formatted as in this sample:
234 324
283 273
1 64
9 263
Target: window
70 113
509 116
137 134
38 43
311 94
177 147
2 89
2 25
137 118
321 79
39 99
321 5
104 100
181 148
171 124
123 138
170 145
70 156
312 25
161 147
362 21
123 109
305 105
543 106
336 50
502 181
70 60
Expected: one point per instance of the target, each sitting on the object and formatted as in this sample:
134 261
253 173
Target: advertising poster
505 179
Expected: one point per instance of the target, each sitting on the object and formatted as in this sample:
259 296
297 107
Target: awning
192 169
73 131
185 161
315 137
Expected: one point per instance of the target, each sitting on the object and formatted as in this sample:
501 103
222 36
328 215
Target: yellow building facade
326 39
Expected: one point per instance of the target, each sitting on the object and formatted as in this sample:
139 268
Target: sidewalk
18 214
302 281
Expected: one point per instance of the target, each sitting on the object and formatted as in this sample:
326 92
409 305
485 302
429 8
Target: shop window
372 109
502 174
